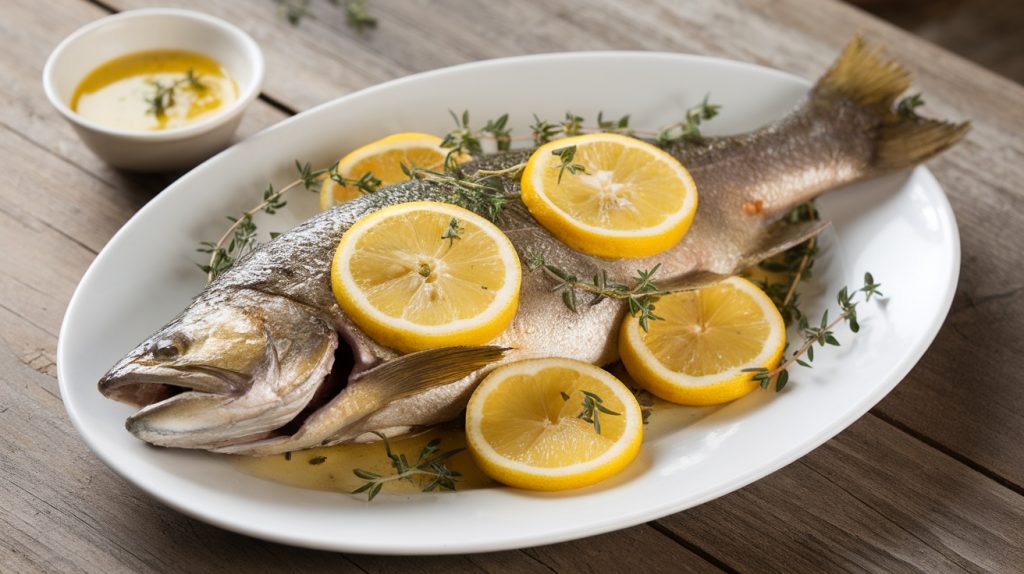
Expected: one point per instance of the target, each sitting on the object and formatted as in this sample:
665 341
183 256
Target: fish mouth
142 385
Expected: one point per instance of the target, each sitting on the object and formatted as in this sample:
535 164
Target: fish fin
909 141
774 240
865 75
417 372
872 80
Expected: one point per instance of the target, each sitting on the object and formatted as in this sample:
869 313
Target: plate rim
895 374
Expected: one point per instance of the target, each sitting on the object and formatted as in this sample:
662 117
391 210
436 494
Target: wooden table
932 479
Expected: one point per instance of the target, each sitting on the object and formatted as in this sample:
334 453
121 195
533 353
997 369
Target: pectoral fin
774 240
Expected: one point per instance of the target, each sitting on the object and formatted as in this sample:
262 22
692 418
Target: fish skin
267 327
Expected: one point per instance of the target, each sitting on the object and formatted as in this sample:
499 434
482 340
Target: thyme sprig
907 107
640 298
240 237
688 129
163 94
483 192
452 232
619 126
431 464
467 140
591 409
820 334
796 263
367 183
356 15
566 156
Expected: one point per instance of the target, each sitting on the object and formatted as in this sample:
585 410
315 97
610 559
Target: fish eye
169 348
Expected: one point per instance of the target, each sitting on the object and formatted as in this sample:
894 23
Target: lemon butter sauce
331 468
154 90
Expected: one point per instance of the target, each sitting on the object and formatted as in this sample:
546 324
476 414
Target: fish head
231 366
212 350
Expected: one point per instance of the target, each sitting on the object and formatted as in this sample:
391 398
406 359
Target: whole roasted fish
253 364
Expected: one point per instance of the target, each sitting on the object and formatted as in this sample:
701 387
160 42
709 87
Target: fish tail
865 75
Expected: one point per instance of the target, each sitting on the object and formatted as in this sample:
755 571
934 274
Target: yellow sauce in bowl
154 90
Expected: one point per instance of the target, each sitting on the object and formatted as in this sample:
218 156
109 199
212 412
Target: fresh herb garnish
163 95
566 155
689 128
483 192
240 238
452 232
640 298
356 15
907 107
620 126
591 409
796 263
821 334
543 130
367 183
431 465
572 125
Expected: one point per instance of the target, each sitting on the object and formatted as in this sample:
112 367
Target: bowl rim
240 38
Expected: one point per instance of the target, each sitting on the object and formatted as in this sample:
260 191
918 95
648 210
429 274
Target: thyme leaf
907 107
356 15
367 183
452 232
163 94
566 155
689 128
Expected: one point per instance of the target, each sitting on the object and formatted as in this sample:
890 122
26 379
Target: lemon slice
695 356
408 283
383 158
634 200
523 426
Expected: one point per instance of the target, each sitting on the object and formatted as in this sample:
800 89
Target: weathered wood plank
325 59
872 499
844 506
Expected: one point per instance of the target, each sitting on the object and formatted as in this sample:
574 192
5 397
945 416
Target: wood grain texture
849 506
875 498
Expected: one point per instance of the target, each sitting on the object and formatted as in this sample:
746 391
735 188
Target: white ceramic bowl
152 29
